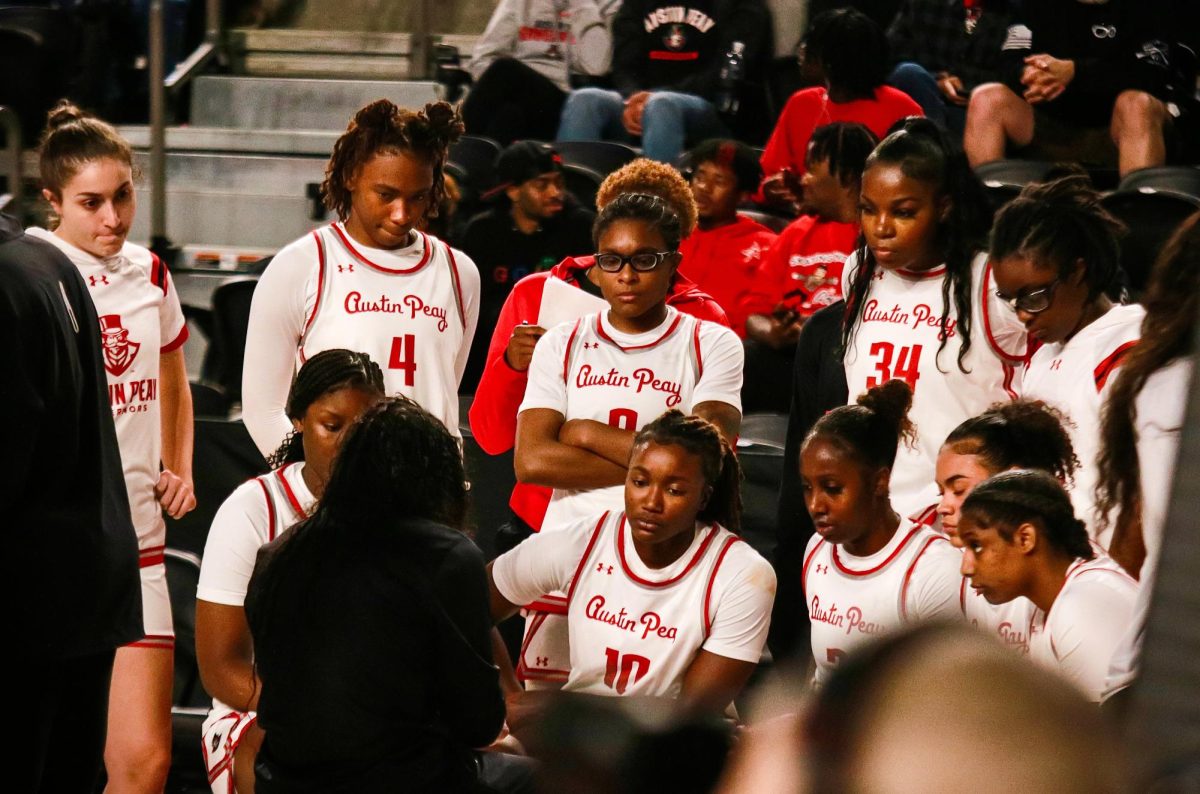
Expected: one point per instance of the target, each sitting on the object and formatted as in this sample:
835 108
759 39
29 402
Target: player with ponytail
662 598
370 281
866 571
1021 538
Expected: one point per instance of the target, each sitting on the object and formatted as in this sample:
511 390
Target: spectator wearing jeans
944 50
666 68
1078 75
525 60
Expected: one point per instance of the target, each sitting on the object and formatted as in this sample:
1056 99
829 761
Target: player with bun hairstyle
662 598
1020 537
370 281
1056 255
1024 434
865 571
87 177
330 393
920 302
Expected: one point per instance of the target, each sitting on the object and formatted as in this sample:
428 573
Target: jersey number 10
404 357
619 669
907 364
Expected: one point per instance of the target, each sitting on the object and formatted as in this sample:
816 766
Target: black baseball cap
522 161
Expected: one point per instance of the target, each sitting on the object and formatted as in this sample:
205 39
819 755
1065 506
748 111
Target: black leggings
511 102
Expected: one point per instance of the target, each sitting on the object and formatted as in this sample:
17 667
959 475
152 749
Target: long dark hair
1022 434
1005 501
923 151
1168 330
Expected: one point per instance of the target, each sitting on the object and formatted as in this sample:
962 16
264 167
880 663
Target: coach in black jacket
69 572
667 61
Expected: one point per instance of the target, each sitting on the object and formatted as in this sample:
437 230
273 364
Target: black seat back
231 318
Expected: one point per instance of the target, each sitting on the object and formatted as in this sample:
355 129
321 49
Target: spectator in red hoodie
723 255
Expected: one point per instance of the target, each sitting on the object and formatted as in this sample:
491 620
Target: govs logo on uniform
119 351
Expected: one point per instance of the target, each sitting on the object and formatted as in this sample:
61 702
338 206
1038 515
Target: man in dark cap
533 226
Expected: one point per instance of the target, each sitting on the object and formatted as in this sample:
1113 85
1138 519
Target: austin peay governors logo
119 350
675 38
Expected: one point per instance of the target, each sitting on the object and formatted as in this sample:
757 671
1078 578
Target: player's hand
1045 78
631 117
952 89
174 494
519 352
505 743
780 189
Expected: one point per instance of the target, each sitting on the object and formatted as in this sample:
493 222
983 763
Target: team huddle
980 465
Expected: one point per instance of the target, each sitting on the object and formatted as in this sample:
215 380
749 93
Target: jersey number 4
620 669
906 368
404 357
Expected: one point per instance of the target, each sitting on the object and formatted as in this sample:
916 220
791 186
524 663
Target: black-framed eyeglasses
615 263
1032 302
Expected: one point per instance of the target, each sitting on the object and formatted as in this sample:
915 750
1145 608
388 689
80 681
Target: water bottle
733 70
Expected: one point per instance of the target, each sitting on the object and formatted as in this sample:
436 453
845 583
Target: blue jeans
916 81
669 121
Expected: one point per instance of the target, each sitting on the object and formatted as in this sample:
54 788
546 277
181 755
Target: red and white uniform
413 310
897 337
915 577
636 630
1075 377
1085 624
590 370
140 319
1008 622
253 515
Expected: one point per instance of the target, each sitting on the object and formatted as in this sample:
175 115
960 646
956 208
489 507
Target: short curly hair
658 179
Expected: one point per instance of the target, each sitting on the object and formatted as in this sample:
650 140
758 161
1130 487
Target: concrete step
237 141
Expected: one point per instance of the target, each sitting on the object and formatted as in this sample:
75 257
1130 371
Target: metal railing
10 165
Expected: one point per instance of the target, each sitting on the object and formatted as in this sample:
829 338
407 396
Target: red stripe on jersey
1114 360
962 596
1010 372
807 561
712 577
696 346
648 345
987 326
177 342
458 296
666 55
933 272
159 275
567 354
165 642
270 508
586 554
425 255
320 292
151 556
880 566
908 574
526 673
543 604
704 544
289 493
926 517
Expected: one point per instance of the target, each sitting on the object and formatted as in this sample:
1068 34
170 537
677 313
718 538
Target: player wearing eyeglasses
1056 257
595 382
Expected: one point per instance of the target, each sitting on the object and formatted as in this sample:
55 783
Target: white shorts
156 603
545 660
219 738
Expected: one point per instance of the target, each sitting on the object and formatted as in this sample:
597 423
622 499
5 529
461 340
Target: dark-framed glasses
1032 302
615 263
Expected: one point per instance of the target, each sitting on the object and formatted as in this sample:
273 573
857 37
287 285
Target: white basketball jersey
897 338
587 370
1075 377
406 313
637 635
1007 622
140 319
852 599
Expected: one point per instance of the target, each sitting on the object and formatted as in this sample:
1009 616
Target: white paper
563 303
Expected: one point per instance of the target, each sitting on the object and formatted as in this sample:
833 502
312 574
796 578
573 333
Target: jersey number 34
904 365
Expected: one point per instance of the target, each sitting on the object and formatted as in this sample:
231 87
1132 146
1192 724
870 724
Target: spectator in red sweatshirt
723 255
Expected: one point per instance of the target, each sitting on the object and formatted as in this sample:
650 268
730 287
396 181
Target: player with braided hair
370 281
330 393
1056 256
662 597
1020 537
866 573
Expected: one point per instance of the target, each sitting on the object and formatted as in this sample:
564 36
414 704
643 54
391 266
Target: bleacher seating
603 157
1150 219
231 318
582 183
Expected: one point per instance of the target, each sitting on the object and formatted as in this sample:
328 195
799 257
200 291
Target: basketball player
662 598
595 382
1021 538
920 301
866 572
1023 434
87 176
1055 251
369 281
331 391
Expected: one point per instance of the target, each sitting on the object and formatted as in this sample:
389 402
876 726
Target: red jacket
724 262
493 412
803 269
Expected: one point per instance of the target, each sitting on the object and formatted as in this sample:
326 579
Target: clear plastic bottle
733 71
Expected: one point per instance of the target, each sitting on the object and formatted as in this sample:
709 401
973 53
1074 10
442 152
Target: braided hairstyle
722 472
1172 301
1023 434
324 373
872 429
845 146
734 155
1025 496
1058 223
657 179
384 127
923 151
655 212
